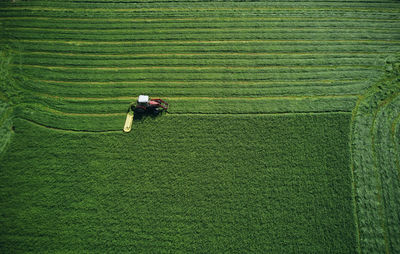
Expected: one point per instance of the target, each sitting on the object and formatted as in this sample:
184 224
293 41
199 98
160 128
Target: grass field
283 133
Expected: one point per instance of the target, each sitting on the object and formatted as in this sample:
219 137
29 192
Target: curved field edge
6 92
5 126
375 165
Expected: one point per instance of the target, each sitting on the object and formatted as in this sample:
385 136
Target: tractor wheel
139 111
156 112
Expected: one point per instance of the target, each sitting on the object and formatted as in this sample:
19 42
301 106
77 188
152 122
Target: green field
283 133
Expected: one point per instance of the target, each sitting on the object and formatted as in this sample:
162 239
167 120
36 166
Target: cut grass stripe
203 105
203 62
211 19
273 75
198 30
281 13
220 91
77 42
109 25
241 83
224 54
197 67
133 98
130 10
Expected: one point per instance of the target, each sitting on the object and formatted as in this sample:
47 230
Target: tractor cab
143 101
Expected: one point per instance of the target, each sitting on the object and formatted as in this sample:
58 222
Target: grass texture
181 184
282 134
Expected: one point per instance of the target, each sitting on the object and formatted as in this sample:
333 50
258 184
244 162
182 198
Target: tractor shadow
141 117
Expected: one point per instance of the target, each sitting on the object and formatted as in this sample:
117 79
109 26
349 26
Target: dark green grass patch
273 184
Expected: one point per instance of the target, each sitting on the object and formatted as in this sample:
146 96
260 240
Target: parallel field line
195 68
322 86
201 41
228 19
289 97
176 30
195 54
182 10
200 82
57 112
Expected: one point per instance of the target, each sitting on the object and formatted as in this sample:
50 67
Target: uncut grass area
182 184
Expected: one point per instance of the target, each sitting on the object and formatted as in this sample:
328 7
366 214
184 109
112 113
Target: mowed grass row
80 60
256 56
206 34
161 24
376 168
184 105
200 46
216 89
209 73
113 25
121 5
39 11
261 183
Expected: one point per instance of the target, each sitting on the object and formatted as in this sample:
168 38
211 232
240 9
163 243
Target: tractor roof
143 99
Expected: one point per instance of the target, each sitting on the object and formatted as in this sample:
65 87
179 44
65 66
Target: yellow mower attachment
128 121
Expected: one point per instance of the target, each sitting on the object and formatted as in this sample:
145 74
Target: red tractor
149 106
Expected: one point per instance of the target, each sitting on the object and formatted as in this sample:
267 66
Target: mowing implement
144 105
